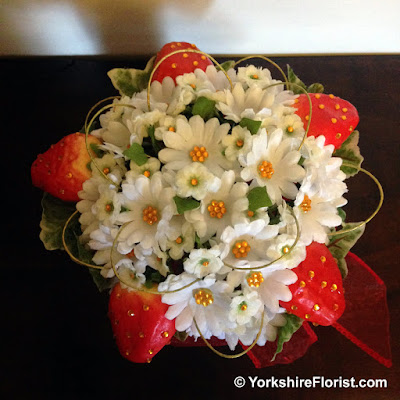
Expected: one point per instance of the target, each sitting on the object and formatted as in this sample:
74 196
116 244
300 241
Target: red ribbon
365 322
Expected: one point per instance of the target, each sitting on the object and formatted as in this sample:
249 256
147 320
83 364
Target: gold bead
293 307
335 307
173 65
317 96
151 351
323 259
334 120
334 287
141 335
338 135
302 284
165 334
307 316
316 307
311 274
321 106
131 313
146 307
324 284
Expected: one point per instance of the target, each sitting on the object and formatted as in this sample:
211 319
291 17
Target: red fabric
365 322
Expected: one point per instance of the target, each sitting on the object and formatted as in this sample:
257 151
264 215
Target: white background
134 27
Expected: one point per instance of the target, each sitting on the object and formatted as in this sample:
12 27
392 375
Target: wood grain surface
58 341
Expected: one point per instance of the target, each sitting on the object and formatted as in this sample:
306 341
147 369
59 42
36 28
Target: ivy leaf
54 216
316 88
285 333
136 153
258 197
341 243
227 65
349 152
129 81
185 204
251 125
204 107
293 78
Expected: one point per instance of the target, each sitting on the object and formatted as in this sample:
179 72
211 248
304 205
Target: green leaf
227 65
185 204
96 150
251 125
342 214
54 216
293 78
349 152
136 153
316 88
99 280
285 333
258 197
341 243
129 81
157 145
204 107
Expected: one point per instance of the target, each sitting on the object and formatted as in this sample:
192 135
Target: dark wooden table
58 342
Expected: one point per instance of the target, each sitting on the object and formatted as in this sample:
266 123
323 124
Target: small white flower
196 180
273 163
148 169
108 206
254 76
202 262
244 307
237 143
183 242
195 85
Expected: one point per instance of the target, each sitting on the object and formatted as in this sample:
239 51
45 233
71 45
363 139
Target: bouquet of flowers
207 200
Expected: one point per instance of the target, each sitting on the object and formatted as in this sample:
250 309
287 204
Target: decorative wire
96 105
73 258
142 288
381 196
231 355
183 51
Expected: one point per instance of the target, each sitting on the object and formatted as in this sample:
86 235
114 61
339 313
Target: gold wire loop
142 288
95 106
73 258
210 346
177 52
381 197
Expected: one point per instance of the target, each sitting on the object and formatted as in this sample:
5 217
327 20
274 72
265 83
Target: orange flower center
306 204
216 209
150 215
241 249
265 169
198 154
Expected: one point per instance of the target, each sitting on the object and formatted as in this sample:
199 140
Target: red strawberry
62 169
180 63
318 292
139 324
331 116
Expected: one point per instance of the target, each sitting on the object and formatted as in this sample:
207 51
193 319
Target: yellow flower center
290 129
179 240
241 249
150 215
109 207
106 170
239 143
146 173
243 306
198 154
204 297
254 76
216 209
255 279
171 129
306 204
265 169
194 182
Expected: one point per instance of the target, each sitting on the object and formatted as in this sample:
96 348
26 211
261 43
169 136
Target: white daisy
237 143
244 307
150 207
244 244
273 163
221 208
184 240
195 141
254 76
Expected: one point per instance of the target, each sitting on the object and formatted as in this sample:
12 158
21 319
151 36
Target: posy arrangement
208 201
